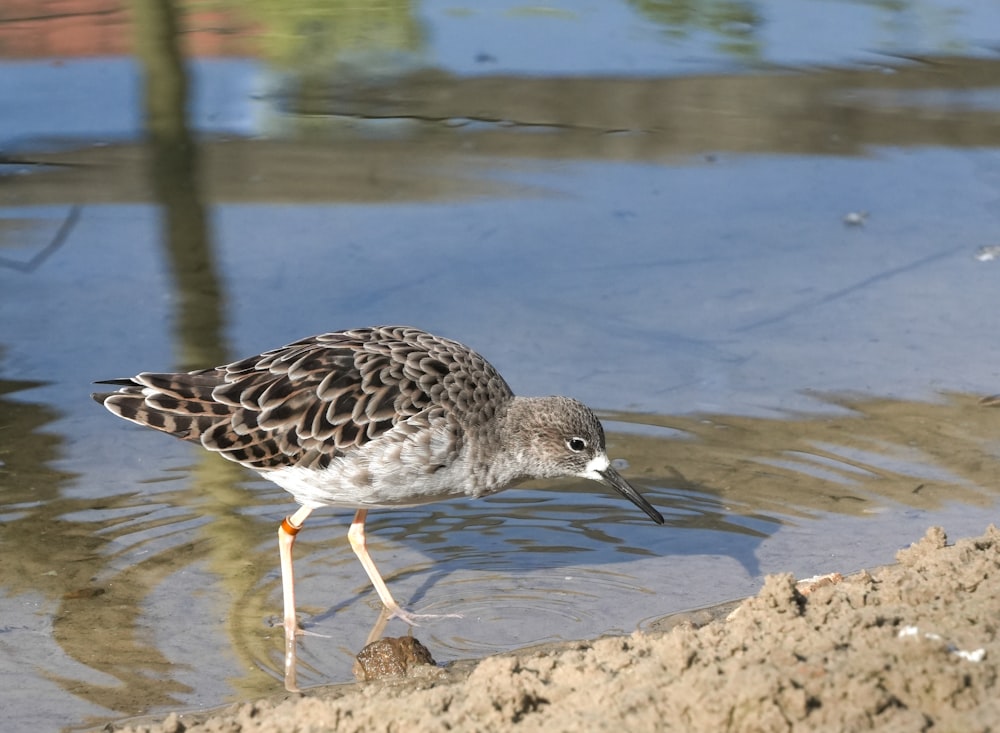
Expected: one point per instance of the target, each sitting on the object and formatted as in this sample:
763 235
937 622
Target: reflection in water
57 241
66 562
648 119
725 484
310 37
871 450
175 179
836 112
736 26
118 561
29 490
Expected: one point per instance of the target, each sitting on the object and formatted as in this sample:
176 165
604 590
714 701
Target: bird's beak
613 479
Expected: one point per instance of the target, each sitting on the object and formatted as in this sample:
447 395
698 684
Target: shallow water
763 273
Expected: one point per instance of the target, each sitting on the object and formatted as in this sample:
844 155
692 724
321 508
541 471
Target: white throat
595 466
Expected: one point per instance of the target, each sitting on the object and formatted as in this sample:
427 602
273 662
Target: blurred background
760 237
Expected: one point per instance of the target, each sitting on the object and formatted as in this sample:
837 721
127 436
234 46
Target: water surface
747 237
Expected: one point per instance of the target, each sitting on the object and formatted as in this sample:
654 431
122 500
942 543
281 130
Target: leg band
289 528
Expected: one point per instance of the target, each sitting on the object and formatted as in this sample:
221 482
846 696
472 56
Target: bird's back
319 398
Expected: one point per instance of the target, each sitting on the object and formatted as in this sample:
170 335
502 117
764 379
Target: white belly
359 487
397 469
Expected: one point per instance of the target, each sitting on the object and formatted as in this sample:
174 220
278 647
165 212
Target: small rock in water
390 657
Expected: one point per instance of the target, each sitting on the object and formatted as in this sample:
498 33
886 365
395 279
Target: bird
380 417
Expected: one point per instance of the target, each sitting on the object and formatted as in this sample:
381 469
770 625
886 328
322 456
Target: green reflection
309 36
66 561
176 181
215 494
30 488
878 450
735 24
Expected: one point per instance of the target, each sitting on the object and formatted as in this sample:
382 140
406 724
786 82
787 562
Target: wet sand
906 647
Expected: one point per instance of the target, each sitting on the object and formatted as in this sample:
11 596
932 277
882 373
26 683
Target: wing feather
314 399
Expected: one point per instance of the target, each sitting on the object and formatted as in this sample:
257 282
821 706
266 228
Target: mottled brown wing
312 400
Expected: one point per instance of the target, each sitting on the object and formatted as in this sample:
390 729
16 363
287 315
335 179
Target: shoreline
905 646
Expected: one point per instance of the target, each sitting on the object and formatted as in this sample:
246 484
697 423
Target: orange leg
290 527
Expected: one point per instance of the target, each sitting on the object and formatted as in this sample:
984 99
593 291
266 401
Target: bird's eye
576 444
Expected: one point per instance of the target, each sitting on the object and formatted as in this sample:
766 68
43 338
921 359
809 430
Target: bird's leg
359 543
290 527
356 536
376 633
291 665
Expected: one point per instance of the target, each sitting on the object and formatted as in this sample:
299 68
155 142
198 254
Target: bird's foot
414 619
293 629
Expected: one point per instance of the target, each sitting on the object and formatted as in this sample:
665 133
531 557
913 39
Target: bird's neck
521 423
